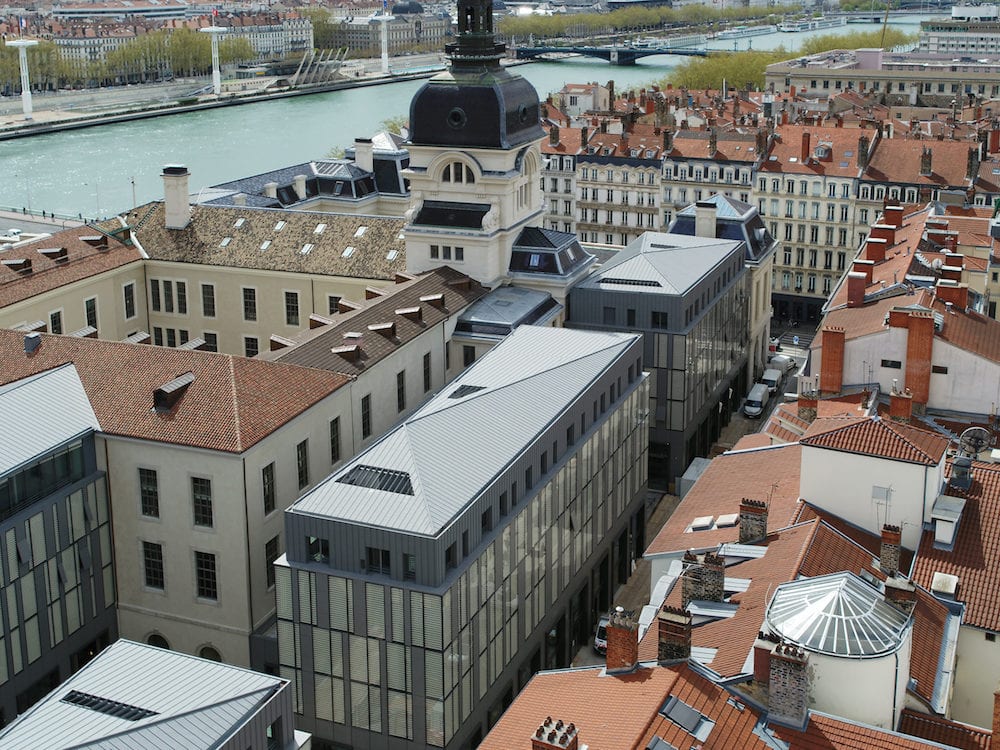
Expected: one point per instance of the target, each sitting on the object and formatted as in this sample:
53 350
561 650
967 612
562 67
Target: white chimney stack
300 186
271 190
704 219
364 154
175 194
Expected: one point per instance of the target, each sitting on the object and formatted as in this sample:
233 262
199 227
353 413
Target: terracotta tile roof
829 732
897 160
730 147
312 347
770 474
753 440
786 154
938 729
570 140
610 712
878 437
622 713
641 139
232 403
83 261
975 556
200 242
734 636
970 331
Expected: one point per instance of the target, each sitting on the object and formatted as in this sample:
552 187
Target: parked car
757 399
601 636
782 362
772 379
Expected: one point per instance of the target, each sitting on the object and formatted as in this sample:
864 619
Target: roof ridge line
909 442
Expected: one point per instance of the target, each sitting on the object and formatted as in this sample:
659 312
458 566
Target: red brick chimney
919 345
807 405
555 735
875 249
885 232
893 216
952 291
901 594
889 551
867 267
900 405
788 689
831 377
623 642
673 634
899 318
804 157
762 648
856 283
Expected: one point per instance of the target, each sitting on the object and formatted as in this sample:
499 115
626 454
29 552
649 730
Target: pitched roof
83 261
898 160
513 388
729 146
969 331
231 404
312 348
877 437
41 412
939 729
786 154
379 249
177 701
770 474
975 556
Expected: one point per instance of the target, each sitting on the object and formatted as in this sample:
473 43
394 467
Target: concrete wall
842 483
977 676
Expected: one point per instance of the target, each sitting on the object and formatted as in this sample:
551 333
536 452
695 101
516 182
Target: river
103 170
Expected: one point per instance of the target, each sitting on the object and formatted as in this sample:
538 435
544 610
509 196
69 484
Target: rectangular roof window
307 248
225 241
319 229
239 222
348 252
265 244
279 226
360 232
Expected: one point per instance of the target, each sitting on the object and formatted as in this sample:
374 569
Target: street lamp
22 58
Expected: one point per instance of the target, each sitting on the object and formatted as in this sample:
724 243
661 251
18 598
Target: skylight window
279 226
107 706
265 244
690 720
360 232
391 255
225 241
348 252
320 228
239 222
307 248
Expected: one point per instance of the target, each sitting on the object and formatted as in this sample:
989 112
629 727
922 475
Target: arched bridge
614 55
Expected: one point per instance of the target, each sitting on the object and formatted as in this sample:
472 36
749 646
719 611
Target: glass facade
428 665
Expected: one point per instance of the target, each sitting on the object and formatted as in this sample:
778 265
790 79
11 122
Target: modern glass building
431 576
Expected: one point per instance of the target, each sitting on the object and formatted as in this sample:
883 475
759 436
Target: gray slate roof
197 703
662 263
517 389
40 413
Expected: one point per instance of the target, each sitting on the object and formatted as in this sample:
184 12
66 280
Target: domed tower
475 162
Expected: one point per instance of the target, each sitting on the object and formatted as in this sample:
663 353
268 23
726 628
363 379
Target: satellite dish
975 440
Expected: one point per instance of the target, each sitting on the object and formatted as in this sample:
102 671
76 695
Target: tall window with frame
208 300
292 308
366 416
401 391
249 303
334 440
302 462
427 372
201 495
205 576
149 493
90 310
152 565
267 488
128 297
272 550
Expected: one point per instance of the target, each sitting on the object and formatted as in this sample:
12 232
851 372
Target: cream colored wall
228 323
237 537
107 287
842 483
877 691
977 676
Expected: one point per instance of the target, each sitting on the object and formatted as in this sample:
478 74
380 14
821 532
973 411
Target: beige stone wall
69 300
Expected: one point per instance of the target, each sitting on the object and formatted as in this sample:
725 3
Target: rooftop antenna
974 441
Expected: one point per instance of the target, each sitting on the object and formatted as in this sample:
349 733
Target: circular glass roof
837 614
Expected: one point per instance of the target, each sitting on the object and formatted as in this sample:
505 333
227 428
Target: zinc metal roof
187 702
42 412
663 263
837 614
453 447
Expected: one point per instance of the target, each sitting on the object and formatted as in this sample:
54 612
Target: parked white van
781 362
771 378
756 401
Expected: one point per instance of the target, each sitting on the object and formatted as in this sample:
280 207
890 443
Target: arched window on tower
456 171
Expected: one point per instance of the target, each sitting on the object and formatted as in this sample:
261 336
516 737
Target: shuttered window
341 610
359 657
434 675
396 613
283 592
321 651
432 621
307 598
286 642
324 697
375 600
417 619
